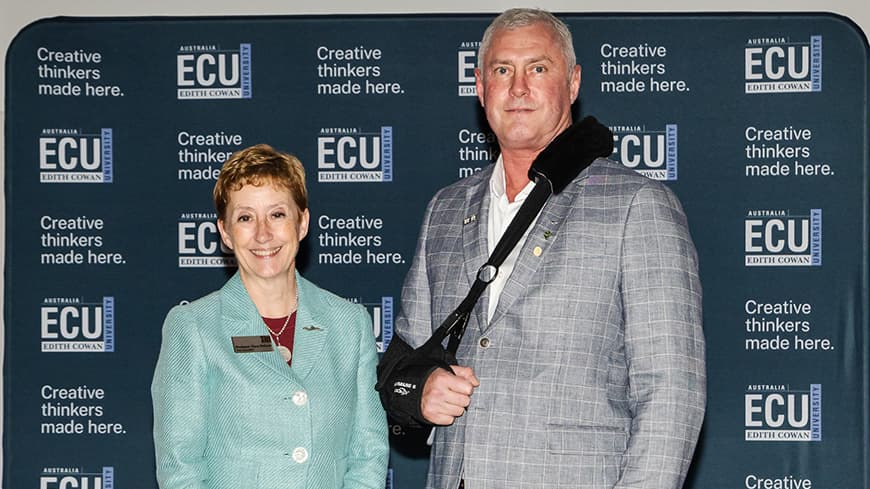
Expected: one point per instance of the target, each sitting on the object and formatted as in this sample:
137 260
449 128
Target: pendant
285 353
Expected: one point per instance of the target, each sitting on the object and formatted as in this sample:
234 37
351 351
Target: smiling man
583 363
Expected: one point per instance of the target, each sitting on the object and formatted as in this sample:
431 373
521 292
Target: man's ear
478 83
575 82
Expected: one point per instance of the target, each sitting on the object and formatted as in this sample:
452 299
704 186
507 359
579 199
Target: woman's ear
225 236
304 217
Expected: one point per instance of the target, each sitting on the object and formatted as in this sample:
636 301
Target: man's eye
501 70
539 69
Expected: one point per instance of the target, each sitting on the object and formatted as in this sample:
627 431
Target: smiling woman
237 376
263 226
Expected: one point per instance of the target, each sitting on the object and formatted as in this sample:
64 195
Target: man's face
525 89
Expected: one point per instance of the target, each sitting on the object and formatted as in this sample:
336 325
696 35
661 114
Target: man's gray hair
523 17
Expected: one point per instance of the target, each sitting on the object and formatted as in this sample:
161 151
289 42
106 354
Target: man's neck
516 171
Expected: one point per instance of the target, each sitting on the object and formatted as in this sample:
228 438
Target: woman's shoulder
325 303
326 297
205 305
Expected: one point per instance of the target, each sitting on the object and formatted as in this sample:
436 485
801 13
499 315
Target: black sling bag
403 370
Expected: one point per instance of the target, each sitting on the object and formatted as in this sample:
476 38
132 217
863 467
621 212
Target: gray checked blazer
592 368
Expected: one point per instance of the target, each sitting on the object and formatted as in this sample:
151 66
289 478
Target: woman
269 381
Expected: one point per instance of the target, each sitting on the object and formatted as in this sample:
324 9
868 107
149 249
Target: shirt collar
497 184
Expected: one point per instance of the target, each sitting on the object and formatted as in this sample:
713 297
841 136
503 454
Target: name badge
251 344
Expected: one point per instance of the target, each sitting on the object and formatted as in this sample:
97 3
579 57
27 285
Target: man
583 363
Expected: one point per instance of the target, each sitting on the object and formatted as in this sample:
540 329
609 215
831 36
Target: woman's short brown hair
260 165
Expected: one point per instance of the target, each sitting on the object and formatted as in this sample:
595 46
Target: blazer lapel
543 233
240 318
474 227
474 232
311 330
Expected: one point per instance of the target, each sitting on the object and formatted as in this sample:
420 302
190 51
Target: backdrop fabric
116 129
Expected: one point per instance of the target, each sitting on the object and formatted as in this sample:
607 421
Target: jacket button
300 398
300 455
484 342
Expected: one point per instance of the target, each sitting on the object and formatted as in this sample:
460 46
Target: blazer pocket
585 456
582 439
226 473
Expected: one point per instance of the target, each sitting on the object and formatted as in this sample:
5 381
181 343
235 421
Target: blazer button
300 398
484 342
300 455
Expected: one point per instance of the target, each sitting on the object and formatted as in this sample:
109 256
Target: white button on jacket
300 455
300 398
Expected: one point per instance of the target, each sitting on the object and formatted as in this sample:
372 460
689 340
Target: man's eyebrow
530 60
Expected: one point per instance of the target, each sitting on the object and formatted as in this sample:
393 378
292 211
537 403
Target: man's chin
519 140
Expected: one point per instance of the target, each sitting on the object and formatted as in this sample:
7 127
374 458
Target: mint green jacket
226 420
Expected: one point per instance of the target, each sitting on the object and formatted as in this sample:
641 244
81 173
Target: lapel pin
312 328
469 219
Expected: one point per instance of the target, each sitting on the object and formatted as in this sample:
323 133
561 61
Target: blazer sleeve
413 323
369 451
664 341
178 393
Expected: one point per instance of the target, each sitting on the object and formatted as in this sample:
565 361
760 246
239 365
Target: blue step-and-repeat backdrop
117 128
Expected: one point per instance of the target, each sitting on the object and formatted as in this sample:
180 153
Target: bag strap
558 164
487 273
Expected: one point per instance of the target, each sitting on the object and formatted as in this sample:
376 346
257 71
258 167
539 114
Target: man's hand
445 395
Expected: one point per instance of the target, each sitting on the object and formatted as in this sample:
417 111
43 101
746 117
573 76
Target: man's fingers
445 395
466 373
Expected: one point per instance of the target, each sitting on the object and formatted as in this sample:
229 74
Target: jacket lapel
474 231
240 317
543 233
311 329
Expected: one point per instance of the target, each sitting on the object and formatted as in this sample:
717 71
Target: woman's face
263 227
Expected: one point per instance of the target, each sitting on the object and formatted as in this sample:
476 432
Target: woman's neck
273 298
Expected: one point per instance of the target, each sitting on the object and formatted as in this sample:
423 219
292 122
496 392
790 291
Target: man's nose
519 85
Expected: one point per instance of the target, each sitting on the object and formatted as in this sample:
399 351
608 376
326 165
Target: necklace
279 333
285 352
